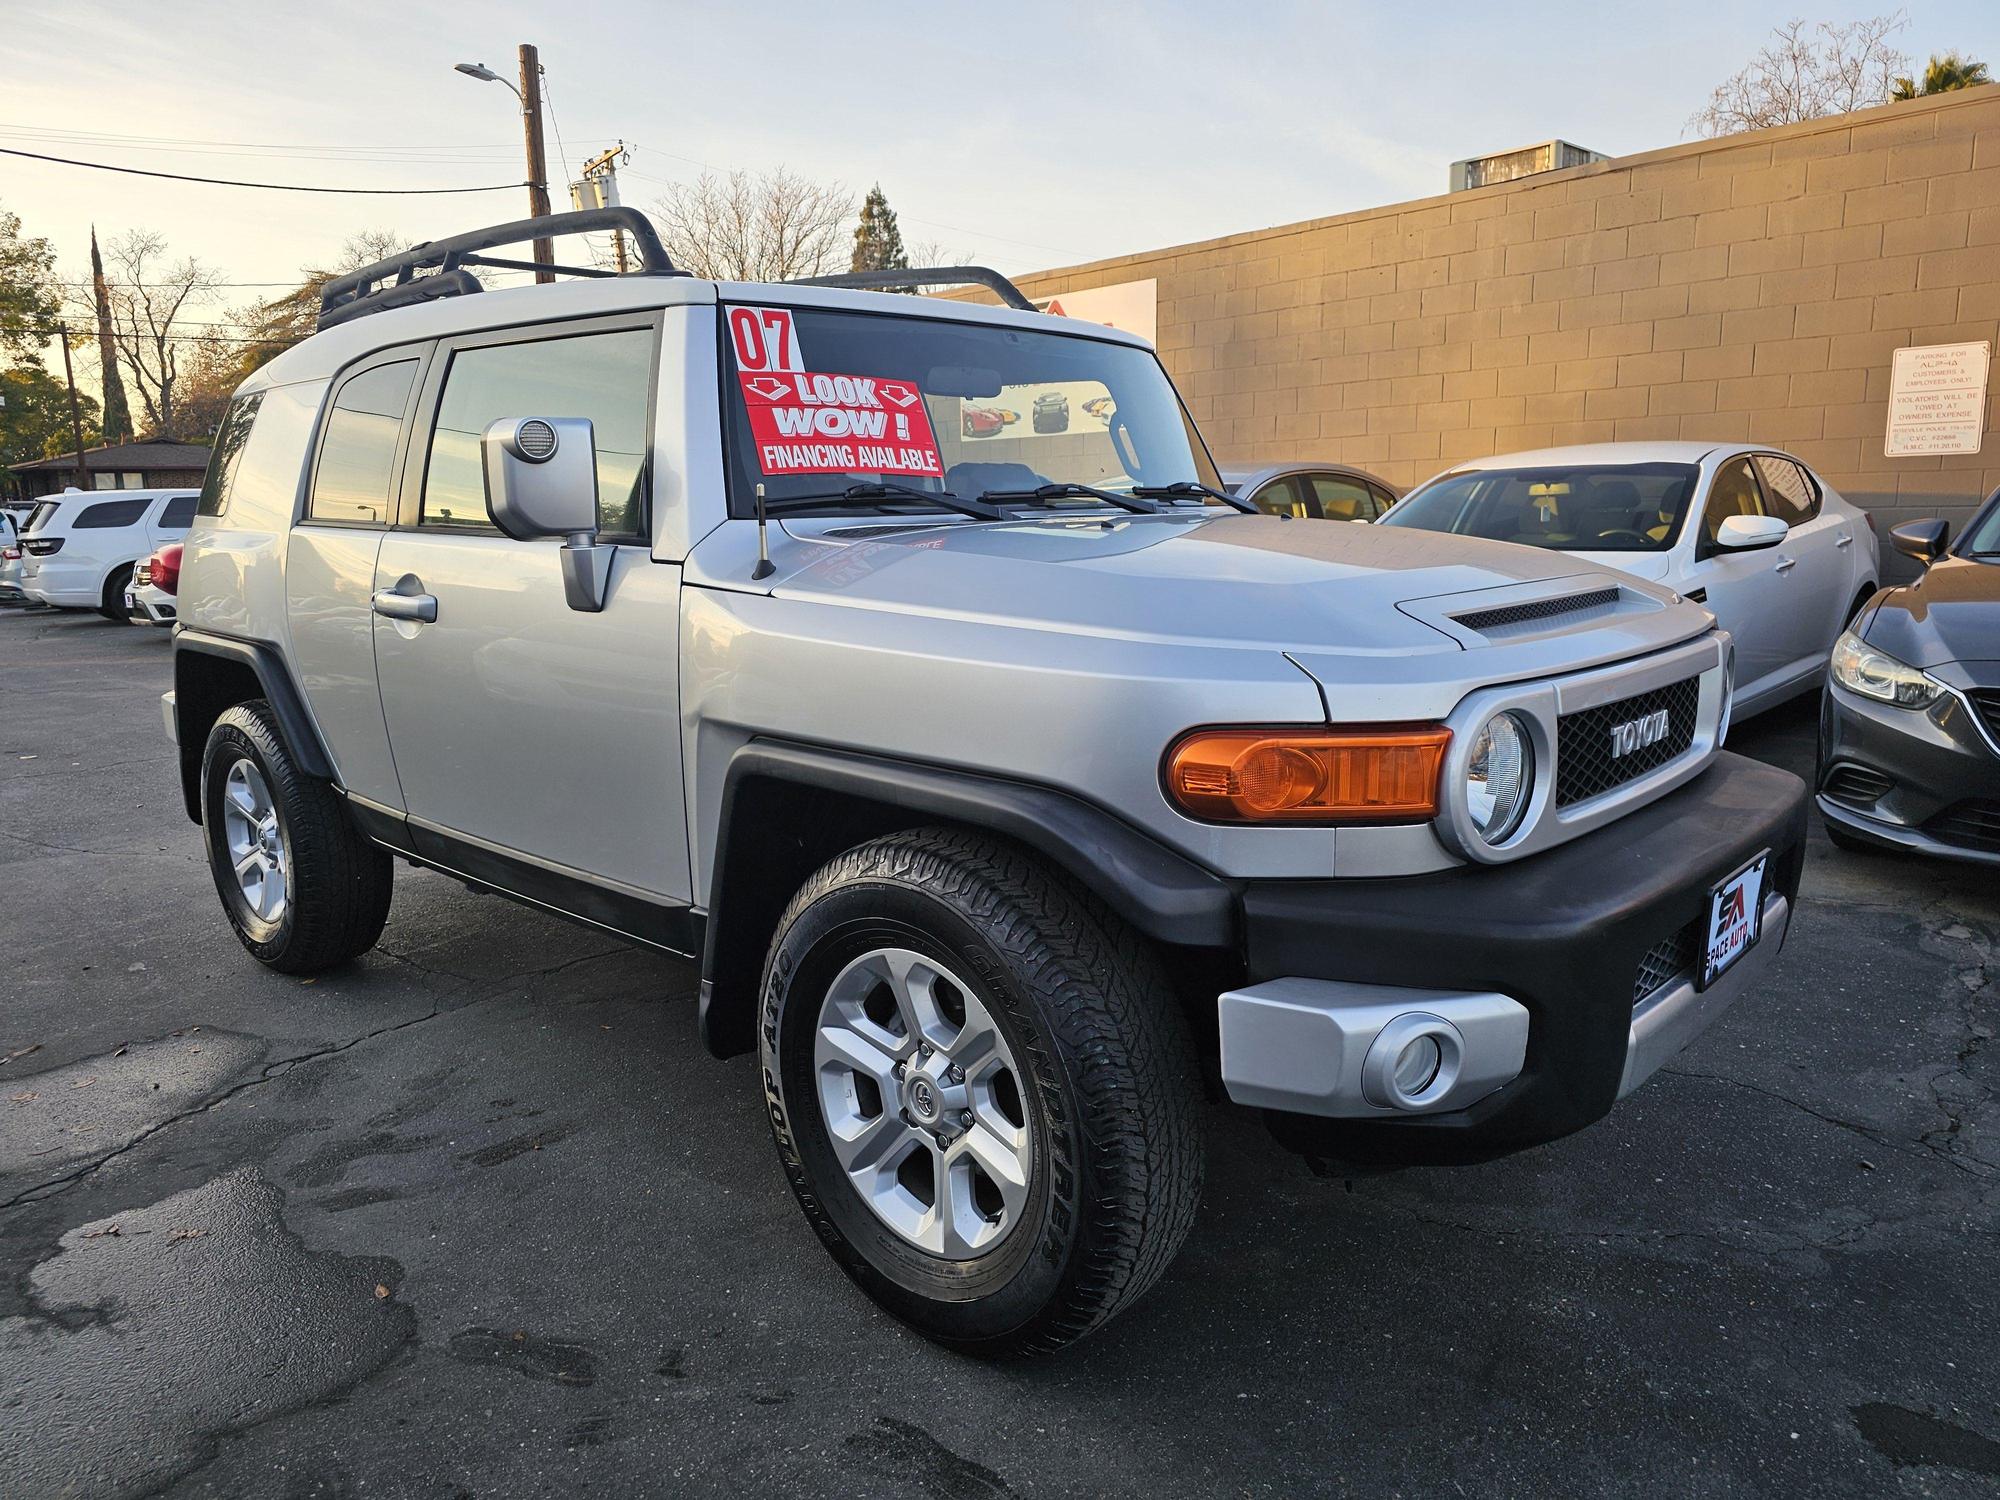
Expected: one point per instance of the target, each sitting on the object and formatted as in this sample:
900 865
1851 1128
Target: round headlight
1499 777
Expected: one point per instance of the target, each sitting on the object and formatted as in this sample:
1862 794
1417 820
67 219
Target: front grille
1986 702
1669 959
1540 609
1860 785
1585 765
1969 825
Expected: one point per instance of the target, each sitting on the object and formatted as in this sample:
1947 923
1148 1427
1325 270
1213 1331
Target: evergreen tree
878 243
117 417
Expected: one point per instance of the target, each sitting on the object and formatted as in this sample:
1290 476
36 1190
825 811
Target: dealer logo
1636 734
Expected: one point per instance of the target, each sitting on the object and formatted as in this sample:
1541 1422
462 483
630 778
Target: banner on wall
1132 306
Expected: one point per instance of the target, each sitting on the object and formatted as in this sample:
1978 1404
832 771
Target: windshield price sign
813 422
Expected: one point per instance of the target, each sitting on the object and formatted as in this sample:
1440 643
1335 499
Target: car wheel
113 607
982 1090
303 888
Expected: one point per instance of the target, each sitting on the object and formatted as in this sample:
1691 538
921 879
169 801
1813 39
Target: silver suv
1010 792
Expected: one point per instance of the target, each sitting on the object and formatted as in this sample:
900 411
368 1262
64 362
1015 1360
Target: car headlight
1860 668
1499 776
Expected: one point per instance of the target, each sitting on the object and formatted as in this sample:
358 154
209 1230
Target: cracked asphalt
478 1217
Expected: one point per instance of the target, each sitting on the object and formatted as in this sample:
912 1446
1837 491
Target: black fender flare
275 682
1163 894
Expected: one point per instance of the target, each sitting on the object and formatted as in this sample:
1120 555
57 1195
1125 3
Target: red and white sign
811 422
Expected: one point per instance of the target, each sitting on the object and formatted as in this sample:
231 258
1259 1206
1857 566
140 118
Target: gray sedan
1318 491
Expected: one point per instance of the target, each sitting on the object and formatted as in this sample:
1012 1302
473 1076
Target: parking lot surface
478 1216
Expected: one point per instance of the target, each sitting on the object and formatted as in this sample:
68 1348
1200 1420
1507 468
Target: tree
1806 72
34 416
30 300
149 299
878 243
775 227
117 416
272 327
1946 73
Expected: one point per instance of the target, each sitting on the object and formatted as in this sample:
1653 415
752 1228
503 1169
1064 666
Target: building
1753 288
119 466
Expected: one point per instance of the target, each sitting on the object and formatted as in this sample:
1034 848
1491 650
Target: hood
1950 614
1651 566
1252 581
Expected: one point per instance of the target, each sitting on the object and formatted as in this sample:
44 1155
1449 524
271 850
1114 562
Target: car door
1818 548
536 746
1745 590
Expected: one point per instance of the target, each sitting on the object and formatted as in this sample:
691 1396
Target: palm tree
1945 73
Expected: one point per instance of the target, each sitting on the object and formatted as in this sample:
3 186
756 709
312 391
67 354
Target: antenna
763 568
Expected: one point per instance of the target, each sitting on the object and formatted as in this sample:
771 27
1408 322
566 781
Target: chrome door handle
1785 565
1845 540
423 607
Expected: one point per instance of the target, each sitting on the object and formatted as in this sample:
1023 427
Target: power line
276 187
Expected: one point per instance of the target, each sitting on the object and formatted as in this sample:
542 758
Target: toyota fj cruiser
1006 805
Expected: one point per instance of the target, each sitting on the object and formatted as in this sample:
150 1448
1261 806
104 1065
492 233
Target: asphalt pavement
478 1216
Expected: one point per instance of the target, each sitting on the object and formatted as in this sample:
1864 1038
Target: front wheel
982 1090
303 888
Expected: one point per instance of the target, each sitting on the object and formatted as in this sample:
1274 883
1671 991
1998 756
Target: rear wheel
303 888
113 605
981 1089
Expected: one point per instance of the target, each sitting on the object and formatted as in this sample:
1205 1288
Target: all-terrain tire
1110 1088
337 882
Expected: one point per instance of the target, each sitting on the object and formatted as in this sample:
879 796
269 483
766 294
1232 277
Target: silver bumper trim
1673 1016
173 722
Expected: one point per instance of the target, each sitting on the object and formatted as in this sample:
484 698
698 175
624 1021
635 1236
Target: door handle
421 607
1785 565
1846 540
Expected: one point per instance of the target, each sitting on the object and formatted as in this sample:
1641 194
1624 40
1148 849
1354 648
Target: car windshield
819 401
1982 538
1588 508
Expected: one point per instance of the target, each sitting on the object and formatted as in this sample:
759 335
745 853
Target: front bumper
1594 940
1926 781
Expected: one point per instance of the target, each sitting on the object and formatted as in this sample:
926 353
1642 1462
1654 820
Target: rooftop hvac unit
1548 156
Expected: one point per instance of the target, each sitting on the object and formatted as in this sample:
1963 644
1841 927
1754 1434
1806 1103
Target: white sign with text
1937 399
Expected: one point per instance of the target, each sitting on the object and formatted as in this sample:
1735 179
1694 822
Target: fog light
1413 1063
1416 1066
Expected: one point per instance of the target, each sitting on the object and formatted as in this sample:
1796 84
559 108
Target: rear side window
1788 489
38 515
357 459
606 377
1342 499
107 515
227 455
179 514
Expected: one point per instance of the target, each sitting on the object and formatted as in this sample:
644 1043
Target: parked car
1782 561
1000 807
1909 728
1320 491
10 560
80 547
1051 412
150 600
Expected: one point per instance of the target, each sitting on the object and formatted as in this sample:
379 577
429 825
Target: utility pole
538 166
75 417
599 189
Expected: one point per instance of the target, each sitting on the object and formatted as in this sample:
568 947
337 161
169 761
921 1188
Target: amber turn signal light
1308 776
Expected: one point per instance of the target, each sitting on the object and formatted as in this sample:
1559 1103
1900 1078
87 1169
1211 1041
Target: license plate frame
1732 927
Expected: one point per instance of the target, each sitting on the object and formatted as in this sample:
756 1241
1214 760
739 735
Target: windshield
1594 508
818 401
1982 538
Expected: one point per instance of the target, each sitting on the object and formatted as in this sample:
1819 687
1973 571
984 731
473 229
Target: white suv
79 548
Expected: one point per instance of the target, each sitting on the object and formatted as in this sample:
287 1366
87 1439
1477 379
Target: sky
1028 135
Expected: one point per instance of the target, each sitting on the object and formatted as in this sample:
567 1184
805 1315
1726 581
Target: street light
530 95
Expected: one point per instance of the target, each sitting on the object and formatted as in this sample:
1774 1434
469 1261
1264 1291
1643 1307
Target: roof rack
900 280
357 294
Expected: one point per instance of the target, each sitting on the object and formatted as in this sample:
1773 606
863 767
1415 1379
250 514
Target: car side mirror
1924 540
541 480
1749 533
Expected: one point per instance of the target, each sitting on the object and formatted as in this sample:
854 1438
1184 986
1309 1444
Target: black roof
117 457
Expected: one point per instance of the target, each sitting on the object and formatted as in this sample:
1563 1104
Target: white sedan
1753 533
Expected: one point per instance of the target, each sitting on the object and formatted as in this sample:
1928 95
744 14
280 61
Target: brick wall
1748 289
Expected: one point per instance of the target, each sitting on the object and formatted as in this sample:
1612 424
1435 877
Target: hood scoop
1508 619
1520 612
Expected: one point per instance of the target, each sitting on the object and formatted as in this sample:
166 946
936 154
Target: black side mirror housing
1923 540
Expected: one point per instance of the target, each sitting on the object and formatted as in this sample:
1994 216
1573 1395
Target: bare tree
773 227
149 298
1807 71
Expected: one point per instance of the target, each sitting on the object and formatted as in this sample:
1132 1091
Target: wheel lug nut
955 1073
965 1117
901 1069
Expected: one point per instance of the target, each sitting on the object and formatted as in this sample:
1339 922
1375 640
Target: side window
1734 493
606 377
1383 500
357 458
1788 488
1342 499
1280 498
178 514
227 455
109 514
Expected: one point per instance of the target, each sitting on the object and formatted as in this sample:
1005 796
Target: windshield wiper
1189 488
1045 492
888 489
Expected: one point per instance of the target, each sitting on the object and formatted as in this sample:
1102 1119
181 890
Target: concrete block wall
1745 289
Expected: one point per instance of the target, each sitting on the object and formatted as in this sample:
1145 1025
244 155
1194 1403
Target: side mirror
1749 533
1923 540
541 480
